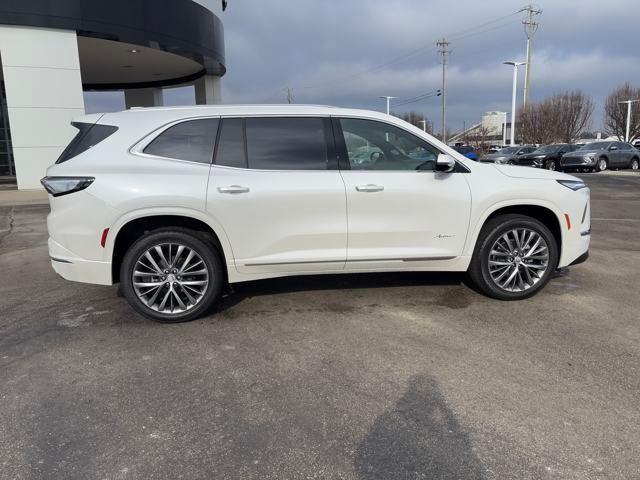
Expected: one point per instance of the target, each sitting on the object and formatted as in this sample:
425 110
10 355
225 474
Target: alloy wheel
551 165
518 260
602 164
170 278
634 164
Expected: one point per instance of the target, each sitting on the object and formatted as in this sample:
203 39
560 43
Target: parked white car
175 202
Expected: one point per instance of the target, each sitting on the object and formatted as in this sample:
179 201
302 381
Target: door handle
233 189
370 188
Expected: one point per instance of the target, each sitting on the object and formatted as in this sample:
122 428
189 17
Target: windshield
595 146
548 149
509 150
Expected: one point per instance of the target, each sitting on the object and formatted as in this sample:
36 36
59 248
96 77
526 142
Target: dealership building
51 51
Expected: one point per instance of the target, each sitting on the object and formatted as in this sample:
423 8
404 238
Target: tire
551 165
196 289
634 164
481 273
602 164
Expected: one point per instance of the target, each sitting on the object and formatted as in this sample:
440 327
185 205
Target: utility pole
388 99
628 102
530 29
289 95
442 49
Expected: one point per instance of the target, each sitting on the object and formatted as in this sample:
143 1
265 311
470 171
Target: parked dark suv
547 156
600 156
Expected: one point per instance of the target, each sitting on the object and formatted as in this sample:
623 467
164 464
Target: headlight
58 186
573 184
501 160
590 156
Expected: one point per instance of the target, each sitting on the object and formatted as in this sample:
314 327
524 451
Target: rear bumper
72 267
581 259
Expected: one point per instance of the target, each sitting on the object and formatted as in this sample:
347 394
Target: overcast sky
349 52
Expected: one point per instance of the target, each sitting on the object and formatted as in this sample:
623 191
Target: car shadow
238 292
418 438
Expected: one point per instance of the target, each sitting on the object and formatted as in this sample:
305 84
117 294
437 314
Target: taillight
58 186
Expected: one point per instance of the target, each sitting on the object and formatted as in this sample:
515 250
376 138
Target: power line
476 30
419 98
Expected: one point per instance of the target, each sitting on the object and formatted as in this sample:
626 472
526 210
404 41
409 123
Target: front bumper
72 267
577 162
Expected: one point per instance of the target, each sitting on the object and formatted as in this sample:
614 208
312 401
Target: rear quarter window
88 136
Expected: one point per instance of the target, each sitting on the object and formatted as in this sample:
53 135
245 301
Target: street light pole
628 102
388 99
513 99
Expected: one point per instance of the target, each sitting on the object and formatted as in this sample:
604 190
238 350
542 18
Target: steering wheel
376 156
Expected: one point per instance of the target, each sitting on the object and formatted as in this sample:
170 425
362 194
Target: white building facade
53 50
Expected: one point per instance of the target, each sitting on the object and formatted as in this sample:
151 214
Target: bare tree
615 114
415 118
479 138
573 113
559 118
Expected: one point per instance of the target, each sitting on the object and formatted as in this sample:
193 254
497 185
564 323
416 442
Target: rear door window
286 143
192 140
231 147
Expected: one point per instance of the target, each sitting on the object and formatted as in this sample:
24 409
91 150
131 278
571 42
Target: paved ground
365 377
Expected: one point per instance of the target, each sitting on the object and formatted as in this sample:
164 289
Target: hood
582 153
515 171
496 156
535 155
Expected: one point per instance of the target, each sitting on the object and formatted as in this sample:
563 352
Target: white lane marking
617 219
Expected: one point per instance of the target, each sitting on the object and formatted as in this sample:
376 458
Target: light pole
513 99
388 99
628 102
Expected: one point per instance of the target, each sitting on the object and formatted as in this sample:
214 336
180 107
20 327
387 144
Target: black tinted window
231 151
286 143
192 140
88 135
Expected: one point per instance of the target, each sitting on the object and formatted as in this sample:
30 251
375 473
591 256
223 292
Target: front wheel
551 165
171 275
602 165
514 258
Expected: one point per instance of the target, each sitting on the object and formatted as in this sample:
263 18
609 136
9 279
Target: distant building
52 50
491 128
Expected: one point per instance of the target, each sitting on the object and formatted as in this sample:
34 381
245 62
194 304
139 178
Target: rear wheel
634 164
171 276
602 165
514 257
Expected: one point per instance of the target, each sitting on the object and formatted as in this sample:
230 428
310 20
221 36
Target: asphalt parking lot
357 377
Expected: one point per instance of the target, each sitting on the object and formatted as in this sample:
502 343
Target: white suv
173 203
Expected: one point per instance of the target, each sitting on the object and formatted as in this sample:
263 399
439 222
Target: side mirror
445 163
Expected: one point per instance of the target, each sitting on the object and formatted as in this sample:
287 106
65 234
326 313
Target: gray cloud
349 52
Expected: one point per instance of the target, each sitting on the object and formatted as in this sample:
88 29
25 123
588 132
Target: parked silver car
599 156
508 155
